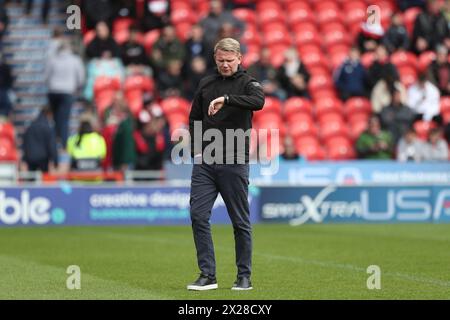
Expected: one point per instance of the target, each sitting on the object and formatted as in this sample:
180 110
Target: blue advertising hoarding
67 205
370 204
343 173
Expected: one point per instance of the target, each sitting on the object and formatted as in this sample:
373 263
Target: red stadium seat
355 12
277 54
446 117
105 90
336 37
183 15
423 128
272 105
8 151
318 70
277 36
251 56
311 150
304 51
88 37
183 30
246 15
276 25
315 59
267 4
7 131
328 105
296 105
177 121
408 75
299 12
330 117
338 152
301 128
409 18
269 121
367 59
251 35
333 129
320 82
357 105
135 87
180 5
327 11
445 104
323 94
404 58
121 24
425 59
337 59
306 36
149 39
332 26
176 105
270 14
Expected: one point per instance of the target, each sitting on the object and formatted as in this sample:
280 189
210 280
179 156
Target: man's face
227 62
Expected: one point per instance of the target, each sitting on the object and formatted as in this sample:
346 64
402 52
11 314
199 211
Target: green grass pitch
157 262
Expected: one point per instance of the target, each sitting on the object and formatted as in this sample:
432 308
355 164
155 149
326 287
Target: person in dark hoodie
39 143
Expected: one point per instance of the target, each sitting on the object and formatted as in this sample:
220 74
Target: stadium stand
322 33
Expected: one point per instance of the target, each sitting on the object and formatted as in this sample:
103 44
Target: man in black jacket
225 100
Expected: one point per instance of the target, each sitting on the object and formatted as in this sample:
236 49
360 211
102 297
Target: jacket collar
240 71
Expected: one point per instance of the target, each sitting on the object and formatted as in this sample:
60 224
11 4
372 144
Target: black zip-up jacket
245 95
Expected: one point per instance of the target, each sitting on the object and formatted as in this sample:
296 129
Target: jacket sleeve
253 99
196 114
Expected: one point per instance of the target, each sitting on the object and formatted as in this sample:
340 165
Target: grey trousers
231 180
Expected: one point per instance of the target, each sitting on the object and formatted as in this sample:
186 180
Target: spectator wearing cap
424 98
439 71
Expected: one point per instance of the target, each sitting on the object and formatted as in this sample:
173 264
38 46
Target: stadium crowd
338 85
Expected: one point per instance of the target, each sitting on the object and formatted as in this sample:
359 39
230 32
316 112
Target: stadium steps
25 48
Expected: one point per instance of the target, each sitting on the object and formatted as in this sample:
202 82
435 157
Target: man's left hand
215 106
